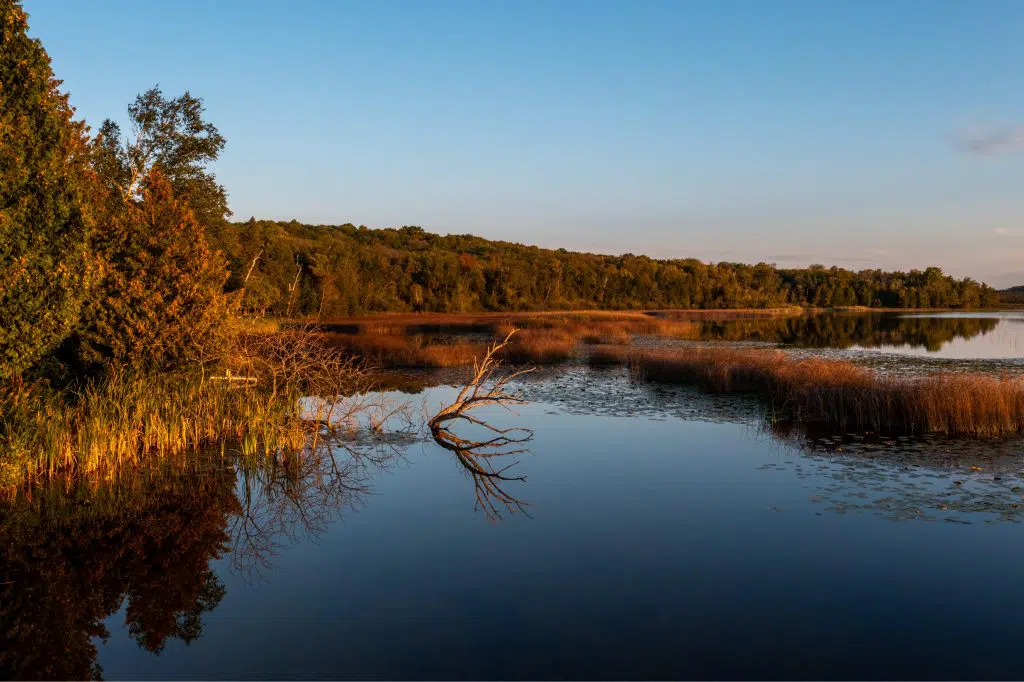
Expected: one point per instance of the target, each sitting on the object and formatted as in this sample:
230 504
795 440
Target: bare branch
485 387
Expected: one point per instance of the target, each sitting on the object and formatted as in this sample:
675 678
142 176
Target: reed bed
122 418
404 341
607 355
619 327
722 314
390 350
537 346
845 396
258 401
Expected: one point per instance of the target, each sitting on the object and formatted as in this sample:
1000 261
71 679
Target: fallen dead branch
478 456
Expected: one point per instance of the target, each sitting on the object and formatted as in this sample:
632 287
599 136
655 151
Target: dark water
666 534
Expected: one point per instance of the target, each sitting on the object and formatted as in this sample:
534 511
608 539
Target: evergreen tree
44 222
159 302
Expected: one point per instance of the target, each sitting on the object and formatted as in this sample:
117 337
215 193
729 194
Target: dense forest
1013 295
288 268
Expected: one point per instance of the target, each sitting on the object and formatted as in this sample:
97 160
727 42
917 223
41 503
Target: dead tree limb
485 387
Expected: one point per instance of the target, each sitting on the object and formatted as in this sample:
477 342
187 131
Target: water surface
666 534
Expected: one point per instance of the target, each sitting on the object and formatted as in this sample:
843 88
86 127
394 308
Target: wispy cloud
1007 232
989 140
790 256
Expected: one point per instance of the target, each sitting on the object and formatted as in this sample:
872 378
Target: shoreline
414 318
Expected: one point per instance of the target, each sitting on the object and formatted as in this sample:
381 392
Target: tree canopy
44 192
344 269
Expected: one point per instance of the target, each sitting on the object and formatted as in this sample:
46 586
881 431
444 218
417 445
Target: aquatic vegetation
392 350
844 395
539 346
433 341
125 417
602 355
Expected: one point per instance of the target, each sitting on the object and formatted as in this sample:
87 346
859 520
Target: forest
291 269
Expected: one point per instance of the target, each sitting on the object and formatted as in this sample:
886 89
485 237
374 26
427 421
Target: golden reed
843 395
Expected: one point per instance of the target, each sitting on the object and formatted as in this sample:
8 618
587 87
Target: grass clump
843 395
607 356
537 346
126 416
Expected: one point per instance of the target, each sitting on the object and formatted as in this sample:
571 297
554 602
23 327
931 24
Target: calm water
664 534
893 342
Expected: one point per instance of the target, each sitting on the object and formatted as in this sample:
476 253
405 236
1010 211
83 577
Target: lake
645 532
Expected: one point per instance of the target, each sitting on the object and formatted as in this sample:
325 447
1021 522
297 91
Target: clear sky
870 133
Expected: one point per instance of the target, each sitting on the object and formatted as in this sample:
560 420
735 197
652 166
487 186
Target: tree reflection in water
487 461
844 330
292 498
74 555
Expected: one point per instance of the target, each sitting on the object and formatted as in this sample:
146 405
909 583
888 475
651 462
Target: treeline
1013 295
288 268
106 240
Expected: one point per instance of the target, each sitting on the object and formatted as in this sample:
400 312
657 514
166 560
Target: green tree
44 219
172 136
160 301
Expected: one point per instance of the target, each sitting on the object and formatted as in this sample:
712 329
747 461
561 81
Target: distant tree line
296 269
1013 295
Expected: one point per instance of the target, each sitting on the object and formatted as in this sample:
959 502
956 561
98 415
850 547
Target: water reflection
293 498
488 460
928 478
660 515
74 556
849 330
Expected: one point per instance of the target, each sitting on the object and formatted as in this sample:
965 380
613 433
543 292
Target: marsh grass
845 396
543 338
607 355
395 350
259 404
124 417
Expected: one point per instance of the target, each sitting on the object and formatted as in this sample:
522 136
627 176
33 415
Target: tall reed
846 396
259 403
123 417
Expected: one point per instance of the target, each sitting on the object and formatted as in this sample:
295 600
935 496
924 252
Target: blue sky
864 134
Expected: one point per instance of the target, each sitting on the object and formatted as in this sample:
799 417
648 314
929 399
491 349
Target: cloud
1008 232
791 256
989 140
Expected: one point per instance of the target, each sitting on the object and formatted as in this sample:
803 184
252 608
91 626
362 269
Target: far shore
415 318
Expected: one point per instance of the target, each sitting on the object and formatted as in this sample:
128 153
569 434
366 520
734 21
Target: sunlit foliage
44 219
